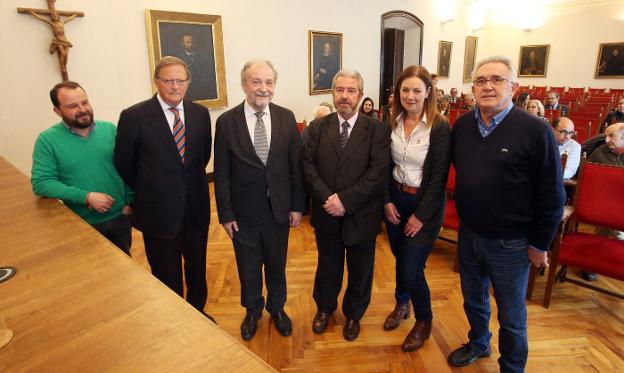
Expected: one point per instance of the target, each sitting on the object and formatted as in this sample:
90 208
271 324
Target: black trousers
264 243
330 270
165 259
118 231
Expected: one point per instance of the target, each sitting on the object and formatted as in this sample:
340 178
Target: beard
80 121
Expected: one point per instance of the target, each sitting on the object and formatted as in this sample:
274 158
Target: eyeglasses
170 82
566 132
496 81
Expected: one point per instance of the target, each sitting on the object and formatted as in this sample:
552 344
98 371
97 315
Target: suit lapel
243 133
332 131
191 118
359 131
161 127
276 124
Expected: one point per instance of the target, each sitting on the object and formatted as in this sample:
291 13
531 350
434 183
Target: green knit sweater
67 166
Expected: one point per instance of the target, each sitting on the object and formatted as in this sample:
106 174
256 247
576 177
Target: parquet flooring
583 331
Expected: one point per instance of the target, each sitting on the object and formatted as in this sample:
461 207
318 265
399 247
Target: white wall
110 57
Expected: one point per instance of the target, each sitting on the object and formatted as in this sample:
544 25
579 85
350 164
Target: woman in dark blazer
415 196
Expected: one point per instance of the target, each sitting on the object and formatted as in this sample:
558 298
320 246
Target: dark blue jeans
118 231
411 283
504 263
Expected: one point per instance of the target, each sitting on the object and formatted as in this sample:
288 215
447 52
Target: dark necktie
260 138
178 132
344 134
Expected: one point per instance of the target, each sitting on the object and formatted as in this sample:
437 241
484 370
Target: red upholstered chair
301 127
453 115
598 201
451 219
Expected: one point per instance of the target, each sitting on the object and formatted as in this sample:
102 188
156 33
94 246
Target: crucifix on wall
60 45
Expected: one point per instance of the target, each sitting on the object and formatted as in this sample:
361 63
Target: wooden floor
583 331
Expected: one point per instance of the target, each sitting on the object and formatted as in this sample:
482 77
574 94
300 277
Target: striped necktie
178 132
261 143
344 134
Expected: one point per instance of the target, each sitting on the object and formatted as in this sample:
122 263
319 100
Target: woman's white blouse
409 152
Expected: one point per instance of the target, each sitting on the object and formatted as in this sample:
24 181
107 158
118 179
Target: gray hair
249 64
346 73
171 61
321 111
493 59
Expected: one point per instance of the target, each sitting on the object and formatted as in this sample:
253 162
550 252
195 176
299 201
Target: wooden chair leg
531 283
552 270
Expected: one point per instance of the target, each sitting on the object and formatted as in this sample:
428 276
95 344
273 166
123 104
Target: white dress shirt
169 114
573 149
351 122
251 118
409 152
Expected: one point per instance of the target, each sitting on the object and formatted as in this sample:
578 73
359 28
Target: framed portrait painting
533 60
444 58
324 61
610 63
197 39
470 57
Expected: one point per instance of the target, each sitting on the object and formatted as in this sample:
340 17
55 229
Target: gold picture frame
470 57
445 48
609 64
198 40
533 60
324 60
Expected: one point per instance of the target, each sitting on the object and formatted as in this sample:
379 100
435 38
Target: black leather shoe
249 327
400 312
466 355
319 324
282 323
589 276
351 330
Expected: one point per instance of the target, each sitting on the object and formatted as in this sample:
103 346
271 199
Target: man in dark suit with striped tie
259 191
162 150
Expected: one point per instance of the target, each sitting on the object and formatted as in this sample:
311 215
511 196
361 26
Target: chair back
599 199
450 182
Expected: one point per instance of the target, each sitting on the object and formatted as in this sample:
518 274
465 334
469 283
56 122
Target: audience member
368 107
414 197
321 111
552 103
439 94
469 102
172 200
259 192
444 106
564 131
328 105
510 200
454 97
536 108
523 99
73 161
386 110
345 163
617 115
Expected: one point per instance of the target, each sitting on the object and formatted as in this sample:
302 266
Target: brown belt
405 188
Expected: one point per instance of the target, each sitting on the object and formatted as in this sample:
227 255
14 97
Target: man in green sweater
73 161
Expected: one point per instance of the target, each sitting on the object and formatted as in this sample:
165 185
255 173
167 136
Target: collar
165 106
498 117
73 131
351 120
249 111
399 120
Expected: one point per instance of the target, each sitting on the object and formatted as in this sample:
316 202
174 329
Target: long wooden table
77 303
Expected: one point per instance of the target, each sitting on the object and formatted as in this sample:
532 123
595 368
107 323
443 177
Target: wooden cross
60 45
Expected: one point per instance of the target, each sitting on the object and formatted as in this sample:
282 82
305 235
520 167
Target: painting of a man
533 60
444 58
610 61
325 60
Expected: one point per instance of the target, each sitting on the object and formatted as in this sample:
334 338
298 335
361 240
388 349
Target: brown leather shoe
319 324
351 330
417 337
401 311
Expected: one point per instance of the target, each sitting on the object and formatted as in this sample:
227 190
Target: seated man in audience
617 115
321 111
73 161
454 96
564 131
469 102
552 103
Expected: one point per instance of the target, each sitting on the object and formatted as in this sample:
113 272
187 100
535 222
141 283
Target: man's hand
230 227
295 218
100 202
391 213
334 206
126 210
539 258
413 226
